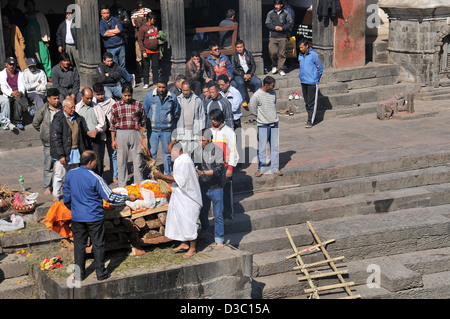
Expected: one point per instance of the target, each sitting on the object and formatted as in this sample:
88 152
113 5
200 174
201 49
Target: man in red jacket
148 43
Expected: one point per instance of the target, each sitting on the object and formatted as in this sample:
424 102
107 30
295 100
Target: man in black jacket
244 68
210 165
109 74
66 38
67 143
66 79
279 22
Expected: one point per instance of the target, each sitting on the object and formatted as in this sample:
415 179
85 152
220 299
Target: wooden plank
310 248
150 211
318 263
330 287
324 274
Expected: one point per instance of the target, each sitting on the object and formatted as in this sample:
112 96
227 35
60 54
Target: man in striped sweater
263 105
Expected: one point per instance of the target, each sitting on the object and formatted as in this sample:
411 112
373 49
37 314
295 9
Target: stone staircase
345 92
396 218
436 94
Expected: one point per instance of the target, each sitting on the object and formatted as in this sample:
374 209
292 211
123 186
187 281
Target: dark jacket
237 68
42 122
327 8
222 104
114 74
192 73
61 35
66 81
283 20
61 136
211 159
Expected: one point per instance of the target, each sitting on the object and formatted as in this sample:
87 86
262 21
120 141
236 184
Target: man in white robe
185 202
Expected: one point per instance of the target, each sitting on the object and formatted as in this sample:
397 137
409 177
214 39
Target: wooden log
154 223
309 249
134 238
162 230
151 211
162 217
108 224
151 234
140 222
116 221
155 241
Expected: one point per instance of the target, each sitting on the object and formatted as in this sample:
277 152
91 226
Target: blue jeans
165 138
112 156
268 133
126 77
255 82
216 197
113 92
118 55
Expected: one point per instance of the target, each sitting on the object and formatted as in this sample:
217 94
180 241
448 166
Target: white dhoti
185 202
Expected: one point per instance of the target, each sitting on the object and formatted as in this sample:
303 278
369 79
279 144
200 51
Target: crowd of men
200 111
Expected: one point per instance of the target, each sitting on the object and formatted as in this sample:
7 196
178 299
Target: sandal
258 173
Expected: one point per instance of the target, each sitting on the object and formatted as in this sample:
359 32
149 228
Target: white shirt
235 98
69 38
243 62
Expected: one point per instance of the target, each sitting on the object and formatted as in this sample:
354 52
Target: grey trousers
48 168
277 52
128 145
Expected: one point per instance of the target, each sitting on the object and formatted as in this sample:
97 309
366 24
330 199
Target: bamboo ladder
314 290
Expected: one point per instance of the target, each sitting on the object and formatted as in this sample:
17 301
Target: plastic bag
148 197
12 223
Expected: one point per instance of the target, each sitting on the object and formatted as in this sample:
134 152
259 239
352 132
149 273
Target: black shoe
104 277
308 124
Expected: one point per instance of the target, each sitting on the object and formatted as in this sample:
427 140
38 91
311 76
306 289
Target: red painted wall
349 35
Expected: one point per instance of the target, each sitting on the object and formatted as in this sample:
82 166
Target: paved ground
330 143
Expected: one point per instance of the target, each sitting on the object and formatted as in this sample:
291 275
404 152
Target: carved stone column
88 40
250 30
323 37
2 44
172 22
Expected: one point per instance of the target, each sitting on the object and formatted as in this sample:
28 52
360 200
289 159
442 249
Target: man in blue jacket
83 193
311 70
111 35
221 64
162 110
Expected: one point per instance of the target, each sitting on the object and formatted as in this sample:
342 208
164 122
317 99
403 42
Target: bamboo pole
329 287
309 249
318 263
327 256
324 274
300 261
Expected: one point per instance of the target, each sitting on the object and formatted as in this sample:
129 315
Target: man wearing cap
35 84
13 87
66 38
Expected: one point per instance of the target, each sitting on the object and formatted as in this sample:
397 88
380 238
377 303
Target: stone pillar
250 30
323 37
172 22
88 40
2 44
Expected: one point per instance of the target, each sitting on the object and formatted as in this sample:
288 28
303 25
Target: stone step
436 97
392 241
379 163
394 232
353 205
342 188
397 272
12 265
23 287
